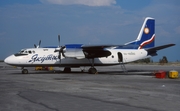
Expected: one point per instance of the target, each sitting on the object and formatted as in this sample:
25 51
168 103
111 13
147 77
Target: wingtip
172 44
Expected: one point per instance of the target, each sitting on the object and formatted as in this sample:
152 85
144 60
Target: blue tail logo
146 37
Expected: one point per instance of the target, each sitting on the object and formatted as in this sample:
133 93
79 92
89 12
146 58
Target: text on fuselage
129 53
36 58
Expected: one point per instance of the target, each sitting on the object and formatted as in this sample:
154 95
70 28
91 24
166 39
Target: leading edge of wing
129 46
98 46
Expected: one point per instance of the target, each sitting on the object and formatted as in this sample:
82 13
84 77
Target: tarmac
109 90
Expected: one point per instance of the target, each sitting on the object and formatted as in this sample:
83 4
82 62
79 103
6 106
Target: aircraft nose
6 60
9 60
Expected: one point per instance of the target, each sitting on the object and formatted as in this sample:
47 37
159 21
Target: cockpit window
25 51
29 52
21 52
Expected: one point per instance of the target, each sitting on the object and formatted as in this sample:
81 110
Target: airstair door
120 60
120 57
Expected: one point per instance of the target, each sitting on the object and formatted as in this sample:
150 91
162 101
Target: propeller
38 44
60 49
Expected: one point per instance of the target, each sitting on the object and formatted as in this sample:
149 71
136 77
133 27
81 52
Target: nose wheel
24 71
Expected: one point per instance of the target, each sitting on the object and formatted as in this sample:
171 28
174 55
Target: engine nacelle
74 51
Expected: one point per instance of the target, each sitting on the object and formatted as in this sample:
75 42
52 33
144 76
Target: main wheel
24 71
67 70
92 70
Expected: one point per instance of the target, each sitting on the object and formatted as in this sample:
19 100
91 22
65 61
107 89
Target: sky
24 22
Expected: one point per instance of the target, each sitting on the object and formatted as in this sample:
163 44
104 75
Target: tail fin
146 37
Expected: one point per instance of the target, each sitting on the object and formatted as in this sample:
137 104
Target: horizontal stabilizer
152 51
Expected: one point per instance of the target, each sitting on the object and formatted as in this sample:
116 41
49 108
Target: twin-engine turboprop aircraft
77 55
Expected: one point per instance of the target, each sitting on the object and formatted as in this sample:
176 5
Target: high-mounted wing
80 51
152 51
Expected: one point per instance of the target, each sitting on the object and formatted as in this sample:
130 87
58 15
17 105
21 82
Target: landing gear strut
92 70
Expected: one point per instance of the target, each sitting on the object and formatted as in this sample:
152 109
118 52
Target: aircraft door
120 57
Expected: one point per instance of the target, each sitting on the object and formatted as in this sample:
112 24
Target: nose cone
10 60
6 60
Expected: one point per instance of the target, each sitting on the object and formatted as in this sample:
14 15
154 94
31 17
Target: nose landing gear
24 71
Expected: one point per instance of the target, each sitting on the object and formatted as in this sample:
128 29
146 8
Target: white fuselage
47 57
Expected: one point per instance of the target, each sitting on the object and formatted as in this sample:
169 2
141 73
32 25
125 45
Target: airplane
79 55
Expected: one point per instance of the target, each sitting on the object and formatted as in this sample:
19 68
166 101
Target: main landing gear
67 69
92 70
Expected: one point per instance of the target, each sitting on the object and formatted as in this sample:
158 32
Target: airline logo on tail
146 37
146 30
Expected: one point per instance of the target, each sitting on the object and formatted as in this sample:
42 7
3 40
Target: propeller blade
35 46
59 40
60 48
39 43
60 56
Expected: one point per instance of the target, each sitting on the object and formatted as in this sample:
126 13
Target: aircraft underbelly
97 61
